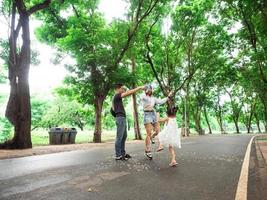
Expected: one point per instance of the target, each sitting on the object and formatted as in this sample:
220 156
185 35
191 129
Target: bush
5 130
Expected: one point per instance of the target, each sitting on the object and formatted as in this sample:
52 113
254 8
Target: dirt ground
40 150
262 144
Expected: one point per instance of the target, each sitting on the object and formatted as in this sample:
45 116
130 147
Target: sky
46 76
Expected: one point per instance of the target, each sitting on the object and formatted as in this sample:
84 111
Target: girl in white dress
170 135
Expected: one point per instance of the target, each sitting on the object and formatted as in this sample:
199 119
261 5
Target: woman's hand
170 94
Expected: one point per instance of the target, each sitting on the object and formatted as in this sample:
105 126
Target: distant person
170 135
150 116
118 111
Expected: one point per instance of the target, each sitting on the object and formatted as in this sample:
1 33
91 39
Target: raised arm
162 101
130 92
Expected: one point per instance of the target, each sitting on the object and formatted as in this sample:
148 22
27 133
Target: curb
242 187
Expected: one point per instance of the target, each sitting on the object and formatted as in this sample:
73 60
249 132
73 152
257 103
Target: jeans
121 136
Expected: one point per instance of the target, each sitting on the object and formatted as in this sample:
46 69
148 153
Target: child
170 135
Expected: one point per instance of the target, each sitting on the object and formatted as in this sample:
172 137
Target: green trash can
66 136
55 135
73 133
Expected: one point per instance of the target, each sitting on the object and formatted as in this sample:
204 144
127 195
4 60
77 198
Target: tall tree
18 110
252 42
236 101
97 47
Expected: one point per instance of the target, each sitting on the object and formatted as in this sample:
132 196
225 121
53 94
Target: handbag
113 113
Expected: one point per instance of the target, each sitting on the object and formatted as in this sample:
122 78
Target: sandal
148 154
160 149
173 164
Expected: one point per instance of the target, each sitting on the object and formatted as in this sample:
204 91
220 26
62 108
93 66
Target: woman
150 116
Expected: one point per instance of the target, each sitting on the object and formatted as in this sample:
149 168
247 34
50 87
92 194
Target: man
150 116
121 122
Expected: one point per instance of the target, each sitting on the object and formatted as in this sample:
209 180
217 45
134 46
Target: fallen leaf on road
92 190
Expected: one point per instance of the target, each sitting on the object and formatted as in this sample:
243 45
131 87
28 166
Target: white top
149 102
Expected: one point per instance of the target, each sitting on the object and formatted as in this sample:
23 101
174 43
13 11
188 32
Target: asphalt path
209 168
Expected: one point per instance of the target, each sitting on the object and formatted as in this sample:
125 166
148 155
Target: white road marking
242 187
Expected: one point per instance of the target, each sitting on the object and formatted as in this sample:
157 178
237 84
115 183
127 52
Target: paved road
209 168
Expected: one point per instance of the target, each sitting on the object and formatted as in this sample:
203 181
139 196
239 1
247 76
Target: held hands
142 87
170 94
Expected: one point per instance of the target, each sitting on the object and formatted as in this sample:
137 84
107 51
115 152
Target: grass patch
261 138
40 137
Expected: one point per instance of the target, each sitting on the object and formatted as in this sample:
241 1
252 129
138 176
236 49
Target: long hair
149 89
147 93
172 111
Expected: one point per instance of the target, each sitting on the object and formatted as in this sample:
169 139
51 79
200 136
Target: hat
148 87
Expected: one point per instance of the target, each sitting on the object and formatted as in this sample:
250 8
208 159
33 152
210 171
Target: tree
252 42
38 109
97 47
236 103
192 43
65 112
18 110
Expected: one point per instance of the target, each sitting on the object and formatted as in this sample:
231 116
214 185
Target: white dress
171 134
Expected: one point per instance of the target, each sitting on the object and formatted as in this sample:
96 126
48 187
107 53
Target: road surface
209 168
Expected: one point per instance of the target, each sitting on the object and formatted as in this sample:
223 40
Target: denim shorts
150 118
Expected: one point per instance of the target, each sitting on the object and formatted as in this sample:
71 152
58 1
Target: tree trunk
207 120
258 123
219 115
137 131
236 126
258 126
98 104
197 118
18 110
187 112
220 122
183 121
249 127
221 126
252 110
265 115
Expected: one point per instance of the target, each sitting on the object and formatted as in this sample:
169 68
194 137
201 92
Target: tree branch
132 31
188 78
17 30
39 6
75 11
21 7
149 59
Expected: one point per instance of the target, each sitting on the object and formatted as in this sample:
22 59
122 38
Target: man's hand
130 92
142 87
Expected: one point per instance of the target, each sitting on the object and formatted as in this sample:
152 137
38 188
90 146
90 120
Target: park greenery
211 54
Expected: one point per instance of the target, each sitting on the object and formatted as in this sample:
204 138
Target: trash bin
66 136
55 135
73 133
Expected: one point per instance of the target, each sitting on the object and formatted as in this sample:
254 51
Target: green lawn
262 138
41 137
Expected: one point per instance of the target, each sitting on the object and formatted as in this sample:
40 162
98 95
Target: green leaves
205 51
